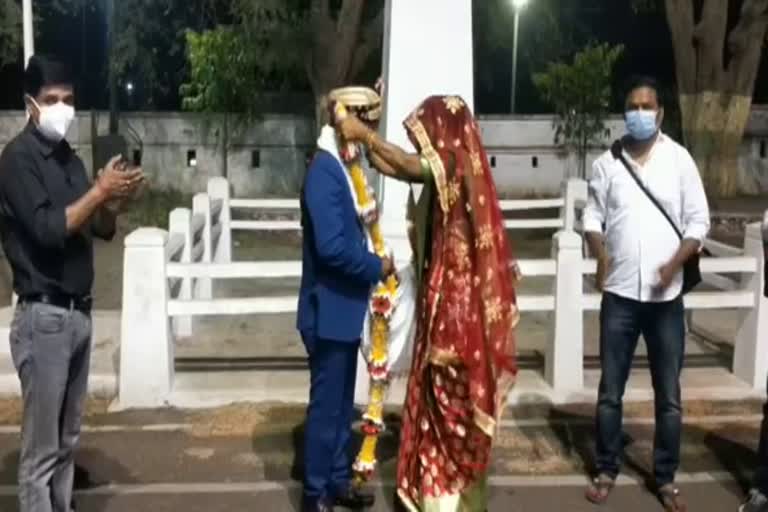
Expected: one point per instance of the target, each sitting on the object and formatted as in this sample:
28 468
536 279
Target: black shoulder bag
691 270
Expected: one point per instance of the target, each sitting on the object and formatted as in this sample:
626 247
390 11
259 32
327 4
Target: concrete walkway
249 457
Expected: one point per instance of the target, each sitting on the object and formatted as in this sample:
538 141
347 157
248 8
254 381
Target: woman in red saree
464 351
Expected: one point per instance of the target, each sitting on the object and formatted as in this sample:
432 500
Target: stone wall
269 158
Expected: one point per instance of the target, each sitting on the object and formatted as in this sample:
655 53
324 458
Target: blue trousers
662 325
328 430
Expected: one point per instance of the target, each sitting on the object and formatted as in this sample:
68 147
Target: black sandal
600 488
671 499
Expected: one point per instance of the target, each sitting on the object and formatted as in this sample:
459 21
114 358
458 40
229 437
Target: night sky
645 37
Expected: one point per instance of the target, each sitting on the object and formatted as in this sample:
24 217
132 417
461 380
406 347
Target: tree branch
347 31
744 45
680 19
709 41
321 39
372 35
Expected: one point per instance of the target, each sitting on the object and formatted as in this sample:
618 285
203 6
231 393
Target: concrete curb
99 386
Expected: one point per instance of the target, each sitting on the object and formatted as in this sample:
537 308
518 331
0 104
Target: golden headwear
364 102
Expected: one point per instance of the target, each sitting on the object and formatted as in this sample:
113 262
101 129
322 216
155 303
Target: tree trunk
321 111
716 69
340 48
713 126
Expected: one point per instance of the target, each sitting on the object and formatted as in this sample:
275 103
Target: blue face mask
641 124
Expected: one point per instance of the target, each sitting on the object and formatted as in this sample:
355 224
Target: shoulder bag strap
617 152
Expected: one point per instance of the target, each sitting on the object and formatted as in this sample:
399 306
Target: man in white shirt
640 260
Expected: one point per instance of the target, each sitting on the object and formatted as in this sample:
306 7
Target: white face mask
55 120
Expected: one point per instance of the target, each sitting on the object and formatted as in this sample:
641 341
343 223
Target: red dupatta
470 304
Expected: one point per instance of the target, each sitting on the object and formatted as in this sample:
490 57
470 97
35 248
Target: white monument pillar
427 51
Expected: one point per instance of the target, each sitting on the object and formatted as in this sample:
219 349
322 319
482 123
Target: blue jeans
51 350
662 325
328 430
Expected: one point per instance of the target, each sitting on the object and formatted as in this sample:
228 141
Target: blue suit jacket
337 269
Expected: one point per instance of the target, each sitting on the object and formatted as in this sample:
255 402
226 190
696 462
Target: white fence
168 275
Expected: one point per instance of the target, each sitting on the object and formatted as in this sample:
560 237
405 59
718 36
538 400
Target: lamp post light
29 33
518 6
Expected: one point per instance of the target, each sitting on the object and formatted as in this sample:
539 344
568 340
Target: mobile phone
106 147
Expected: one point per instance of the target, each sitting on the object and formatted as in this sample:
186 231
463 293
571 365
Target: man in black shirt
49 212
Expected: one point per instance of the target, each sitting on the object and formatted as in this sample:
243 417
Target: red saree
464 354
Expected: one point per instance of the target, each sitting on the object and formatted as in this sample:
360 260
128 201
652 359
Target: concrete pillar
427 50
146 348
564 366
750 357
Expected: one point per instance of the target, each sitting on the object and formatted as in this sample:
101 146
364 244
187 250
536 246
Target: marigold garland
382 305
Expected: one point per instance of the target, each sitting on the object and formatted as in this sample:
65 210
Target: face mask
641 124
55 120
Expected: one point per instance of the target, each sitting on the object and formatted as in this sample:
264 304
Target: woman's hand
352 129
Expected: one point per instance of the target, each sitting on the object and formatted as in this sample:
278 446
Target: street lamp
518 6
29 34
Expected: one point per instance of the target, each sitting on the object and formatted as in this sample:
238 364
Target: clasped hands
118 182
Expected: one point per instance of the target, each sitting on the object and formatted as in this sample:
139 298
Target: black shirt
38 180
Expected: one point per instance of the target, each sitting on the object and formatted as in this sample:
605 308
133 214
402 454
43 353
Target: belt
81 303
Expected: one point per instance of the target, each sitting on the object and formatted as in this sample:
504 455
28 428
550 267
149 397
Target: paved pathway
706 497
246 458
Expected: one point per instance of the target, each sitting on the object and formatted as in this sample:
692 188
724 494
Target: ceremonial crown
364 102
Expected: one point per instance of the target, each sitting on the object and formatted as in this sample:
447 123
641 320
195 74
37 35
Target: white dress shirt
638 239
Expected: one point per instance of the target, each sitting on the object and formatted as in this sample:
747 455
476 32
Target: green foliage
230 65
648 5
149 38
223 72
278 33
580 94
10 31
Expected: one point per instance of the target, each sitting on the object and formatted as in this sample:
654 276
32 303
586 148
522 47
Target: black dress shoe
354 499
316 506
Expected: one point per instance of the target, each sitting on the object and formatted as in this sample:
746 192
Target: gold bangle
370 140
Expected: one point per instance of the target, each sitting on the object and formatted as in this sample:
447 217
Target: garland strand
382 305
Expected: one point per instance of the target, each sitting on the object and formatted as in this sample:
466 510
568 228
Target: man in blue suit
338 272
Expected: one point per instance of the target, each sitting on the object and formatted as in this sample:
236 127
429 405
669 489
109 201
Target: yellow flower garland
382 306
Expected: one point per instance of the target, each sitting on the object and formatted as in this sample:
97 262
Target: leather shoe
318 506
354 499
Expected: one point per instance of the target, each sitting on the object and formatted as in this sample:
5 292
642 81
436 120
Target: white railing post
575 193
750 357
180 223
564 359
146 349
218 188
201 205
